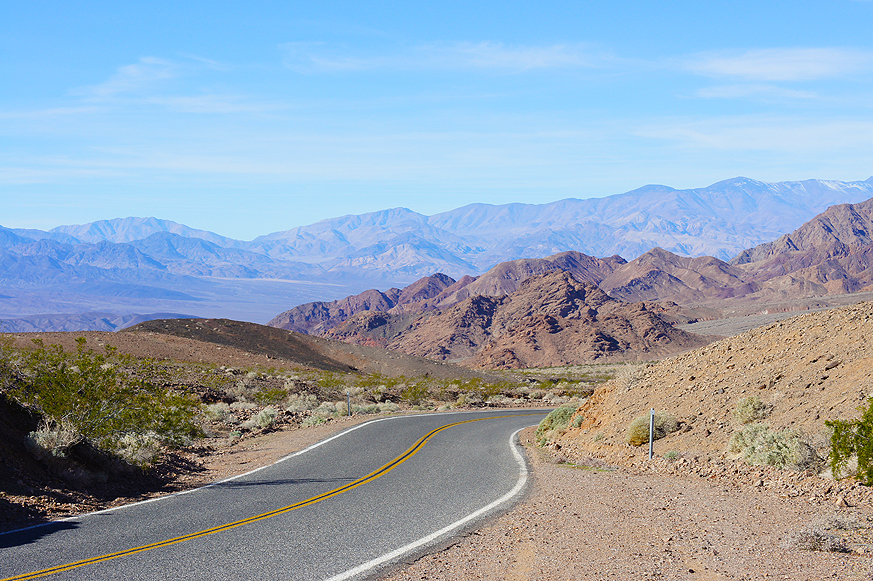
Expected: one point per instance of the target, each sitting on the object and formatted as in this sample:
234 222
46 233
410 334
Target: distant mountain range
571 308
127 266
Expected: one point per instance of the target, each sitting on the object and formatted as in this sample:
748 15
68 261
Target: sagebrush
759 444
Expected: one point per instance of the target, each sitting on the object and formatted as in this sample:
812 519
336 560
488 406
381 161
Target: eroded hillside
805 370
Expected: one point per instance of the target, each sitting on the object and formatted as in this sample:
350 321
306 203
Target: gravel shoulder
600 523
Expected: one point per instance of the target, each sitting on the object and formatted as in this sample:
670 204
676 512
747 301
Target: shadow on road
281 482
33 534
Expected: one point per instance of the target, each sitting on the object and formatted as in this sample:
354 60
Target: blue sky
245 118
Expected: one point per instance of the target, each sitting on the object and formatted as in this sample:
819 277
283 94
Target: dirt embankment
805 370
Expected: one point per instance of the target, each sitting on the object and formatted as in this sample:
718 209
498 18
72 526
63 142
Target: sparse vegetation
750 409
759 444
101 397
554 424
852 440
816 540
638 431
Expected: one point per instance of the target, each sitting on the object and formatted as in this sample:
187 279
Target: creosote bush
853 439
91 394
638 431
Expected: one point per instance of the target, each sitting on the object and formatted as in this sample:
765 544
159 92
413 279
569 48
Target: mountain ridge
393 247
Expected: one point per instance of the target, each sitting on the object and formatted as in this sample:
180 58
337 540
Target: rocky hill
550 319
440 291
266 346
446 319
829 255
804 370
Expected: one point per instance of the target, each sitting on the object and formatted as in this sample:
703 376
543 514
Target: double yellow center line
315 499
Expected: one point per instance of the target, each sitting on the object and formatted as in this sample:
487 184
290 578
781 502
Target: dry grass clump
816 540
139 449
751 409
638 430
53 437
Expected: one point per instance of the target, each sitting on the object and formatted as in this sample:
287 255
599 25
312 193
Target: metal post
651 433
349 402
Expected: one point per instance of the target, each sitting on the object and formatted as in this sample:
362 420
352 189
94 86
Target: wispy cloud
310 57
214 103
760 91
53 113
131 79
764 133
782 64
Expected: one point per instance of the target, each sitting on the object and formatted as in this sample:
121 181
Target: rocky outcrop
319 317
551 319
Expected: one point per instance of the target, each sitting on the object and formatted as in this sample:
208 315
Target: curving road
368 497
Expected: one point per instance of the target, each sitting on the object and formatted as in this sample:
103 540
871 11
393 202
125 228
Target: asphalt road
367 498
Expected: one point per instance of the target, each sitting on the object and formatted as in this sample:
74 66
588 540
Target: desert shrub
263 419
577 421
750 409
671 455
759 444
92 394
468 399
816 540
327 408
554 424
853 439
313 421
638 430
267 417
302 401
273 395
414 393
499 400
139 449
53 437
216 411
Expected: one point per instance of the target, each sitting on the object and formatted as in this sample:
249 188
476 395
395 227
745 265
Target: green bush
415 393
89 392
554 423
853 439
638 431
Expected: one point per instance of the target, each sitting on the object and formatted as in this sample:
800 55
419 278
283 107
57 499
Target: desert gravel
583 523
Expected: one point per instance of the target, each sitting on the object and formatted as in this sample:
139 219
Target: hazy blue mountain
130 229
341 256
77 322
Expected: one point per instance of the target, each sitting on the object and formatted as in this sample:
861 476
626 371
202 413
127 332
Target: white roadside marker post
651 433
349 402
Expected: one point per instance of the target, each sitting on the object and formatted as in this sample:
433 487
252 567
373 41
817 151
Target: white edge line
387 557
211 484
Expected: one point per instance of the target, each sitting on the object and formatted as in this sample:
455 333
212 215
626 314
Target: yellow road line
315 499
